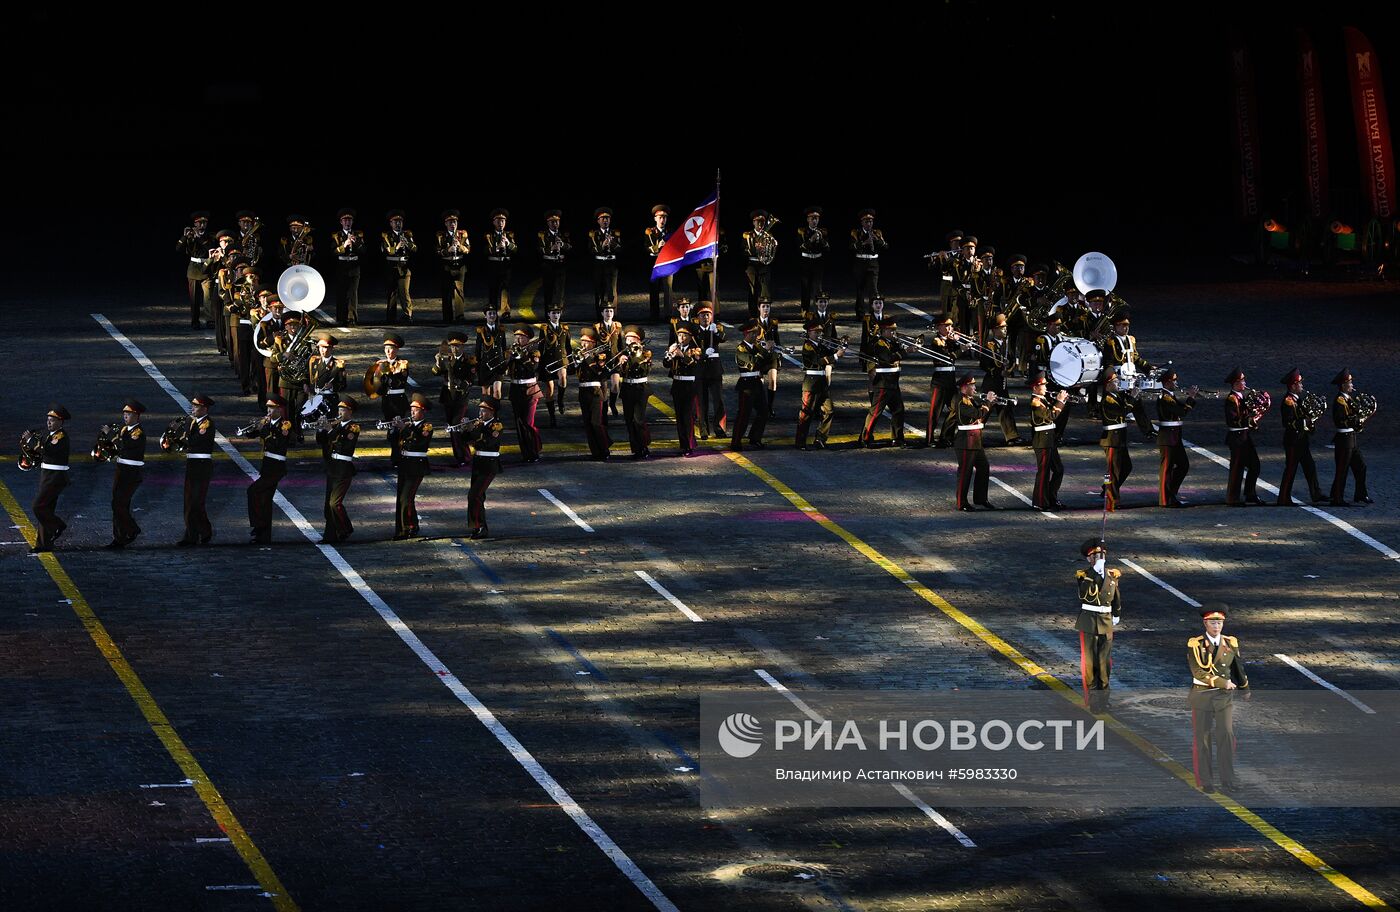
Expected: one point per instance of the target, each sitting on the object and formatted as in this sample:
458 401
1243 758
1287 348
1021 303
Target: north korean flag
697 240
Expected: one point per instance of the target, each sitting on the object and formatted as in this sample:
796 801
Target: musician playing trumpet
390 376
635 369
486 462
398 246
1171 412
456 368
523 372
683 360
276 431
129 454
338 440
817 359
199 281
1049 468
973 471
1240 424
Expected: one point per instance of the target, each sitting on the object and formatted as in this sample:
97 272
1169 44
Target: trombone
970 343
916 343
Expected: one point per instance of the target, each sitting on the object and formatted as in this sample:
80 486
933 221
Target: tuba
105 449
31 449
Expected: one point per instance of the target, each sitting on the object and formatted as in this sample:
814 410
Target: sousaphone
1094 270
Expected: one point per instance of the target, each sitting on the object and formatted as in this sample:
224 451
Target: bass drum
1074 362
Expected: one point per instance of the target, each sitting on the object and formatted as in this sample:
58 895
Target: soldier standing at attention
656 238
605 244
398 245
1100 607
453 245
1217 672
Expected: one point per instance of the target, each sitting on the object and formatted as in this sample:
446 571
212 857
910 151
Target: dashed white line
913 310
1298 666
664 593
1165 585
564 508
1019 496
904 791
517 751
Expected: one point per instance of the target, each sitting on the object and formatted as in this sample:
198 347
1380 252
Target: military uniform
682 362
705 272
1049 468
943 389
129 457
604 244
1211 664
457 374
523 372
486 465
453 246
391 382
1244 458
994 363
1045 343
593 376
1100 607
752 361
53 478
250 238
338 447
326 376
679 320
416 437
348 245
1297 445
276 435
398 247
711 378
967 441
1121 352
816 390
199 280
240 311
222 267
867 247
1347 444
941 262
491 355
500 250
773 333
556 347
1171 412
760 246
1114 440
609 338
291 367
965 279
554 248
199 469
636 371
813 244
660 288
884 357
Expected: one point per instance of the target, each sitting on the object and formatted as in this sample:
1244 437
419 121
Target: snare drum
1074 362
315 407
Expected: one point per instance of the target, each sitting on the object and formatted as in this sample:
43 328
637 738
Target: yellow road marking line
1002 647
155 717
525 307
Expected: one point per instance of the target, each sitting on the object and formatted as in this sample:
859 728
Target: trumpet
390 424
320 424
246 430
469 424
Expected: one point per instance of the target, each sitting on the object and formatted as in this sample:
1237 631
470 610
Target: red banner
1245 120
1372 125
1314 131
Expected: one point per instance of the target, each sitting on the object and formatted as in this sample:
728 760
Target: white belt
591 383
452 259
886 370
402 259
970 427
867 256
53 468
596 257
812 256
277 456
1169 424
199 456
525 382
945 368
1340 430
812 373
130 462
947 278
638 380
422 455
1236 429
554 258
685 377
716 355
1097 609
396 392
755 259
1115 427
1044 427
1200 682
342 457
243 322
347 258
498 259
488 452
199 260
743 374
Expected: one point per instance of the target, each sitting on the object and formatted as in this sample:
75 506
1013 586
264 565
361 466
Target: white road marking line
206 839
236 887
1298 666
449 680
664 593
1165 585
188 783
1345 526
913 310
933 815
1018 495
909 796
565 508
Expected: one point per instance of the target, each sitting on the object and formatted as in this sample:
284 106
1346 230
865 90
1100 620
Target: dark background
1047 131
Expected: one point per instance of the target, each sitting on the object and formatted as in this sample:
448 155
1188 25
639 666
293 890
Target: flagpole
714 272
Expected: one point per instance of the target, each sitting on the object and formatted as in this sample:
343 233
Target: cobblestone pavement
367 785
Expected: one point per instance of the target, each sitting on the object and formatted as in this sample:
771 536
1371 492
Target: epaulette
1195 641
427 427
203 425
339 363
1233 641
354 428
136 433
1290 400
286 425
57 436
1080 574
1115 572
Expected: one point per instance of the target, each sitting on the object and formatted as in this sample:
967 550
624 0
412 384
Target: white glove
1115 621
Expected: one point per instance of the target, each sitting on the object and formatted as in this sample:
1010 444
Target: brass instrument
916 343
176 435
31 449
390 424
554 244
405 238
372 381
970 343
830 344
301 245
1313 406
1255 404
512 352
320 424
1366 406
105 449
468 424
247 430
572 361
